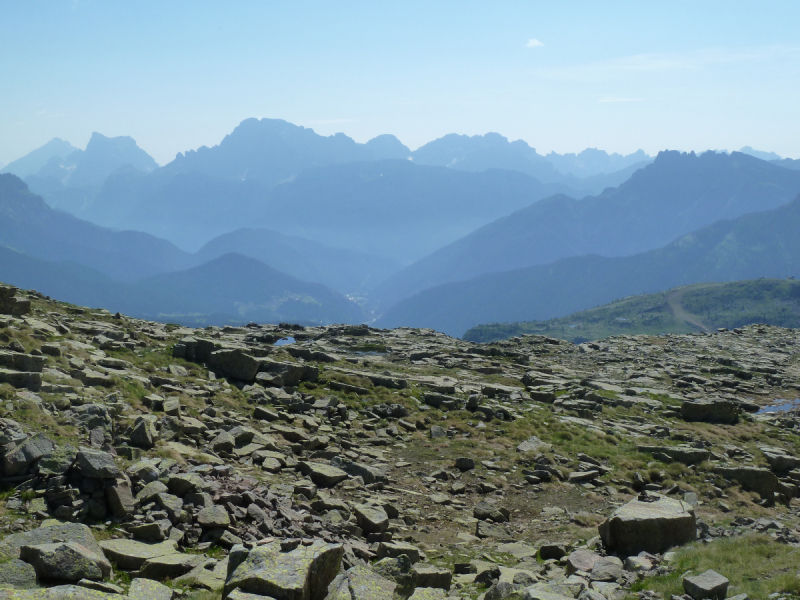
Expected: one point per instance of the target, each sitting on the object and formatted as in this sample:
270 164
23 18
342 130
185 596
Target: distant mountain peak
760 154
272 151
34 161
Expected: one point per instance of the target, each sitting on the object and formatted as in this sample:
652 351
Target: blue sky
562 76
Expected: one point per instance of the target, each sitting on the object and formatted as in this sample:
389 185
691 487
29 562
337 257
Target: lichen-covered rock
65 561
18 574
361 583
130 555
302 574
147 589
213 517
170 565
60 592
48 533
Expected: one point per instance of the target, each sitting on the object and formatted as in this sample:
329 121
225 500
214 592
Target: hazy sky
562 76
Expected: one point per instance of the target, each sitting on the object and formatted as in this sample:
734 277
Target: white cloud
618 99
534 43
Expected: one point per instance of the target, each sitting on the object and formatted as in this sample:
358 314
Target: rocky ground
146 460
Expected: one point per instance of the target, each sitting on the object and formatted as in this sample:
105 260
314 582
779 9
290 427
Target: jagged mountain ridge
676 194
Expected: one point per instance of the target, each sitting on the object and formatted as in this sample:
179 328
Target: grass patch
754 564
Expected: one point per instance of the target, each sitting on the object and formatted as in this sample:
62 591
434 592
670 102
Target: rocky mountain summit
149 460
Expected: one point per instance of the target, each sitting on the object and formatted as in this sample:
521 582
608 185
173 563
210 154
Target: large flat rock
650 526
131 555
302 574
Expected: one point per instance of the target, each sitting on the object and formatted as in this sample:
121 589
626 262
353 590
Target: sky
563 76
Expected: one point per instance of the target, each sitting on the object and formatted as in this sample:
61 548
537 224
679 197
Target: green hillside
685 309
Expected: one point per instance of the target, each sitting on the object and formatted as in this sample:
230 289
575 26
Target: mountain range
59 254
762 244
676 194
278 222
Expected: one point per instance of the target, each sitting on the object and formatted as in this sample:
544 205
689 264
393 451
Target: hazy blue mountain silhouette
392 208
29 225
592 162
34 161
71 183
343 270
760 154
232 290
763 244
676 194
272 150
494 151
244 289
788 163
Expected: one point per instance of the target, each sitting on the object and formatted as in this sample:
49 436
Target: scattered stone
706 585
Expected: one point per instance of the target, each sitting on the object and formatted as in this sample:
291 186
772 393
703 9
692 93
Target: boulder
301 574
50 532
400 571
237 595
367 473
235 364
581 560
224 442
464 464
21 379
130 555
607 568
426 593
97 464
60 592
710 411
147 589
706 585
65 561
120 500
144 434
170 565
18 574
157 531
289 373
18 459
753 479
652 524
371 519
430 576
213 517
361 583
323 475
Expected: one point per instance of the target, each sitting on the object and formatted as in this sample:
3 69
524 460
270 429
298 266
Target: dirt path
674 301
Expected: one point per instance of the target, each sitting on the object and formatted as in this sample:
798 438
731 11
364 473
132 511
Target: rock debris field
147 460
